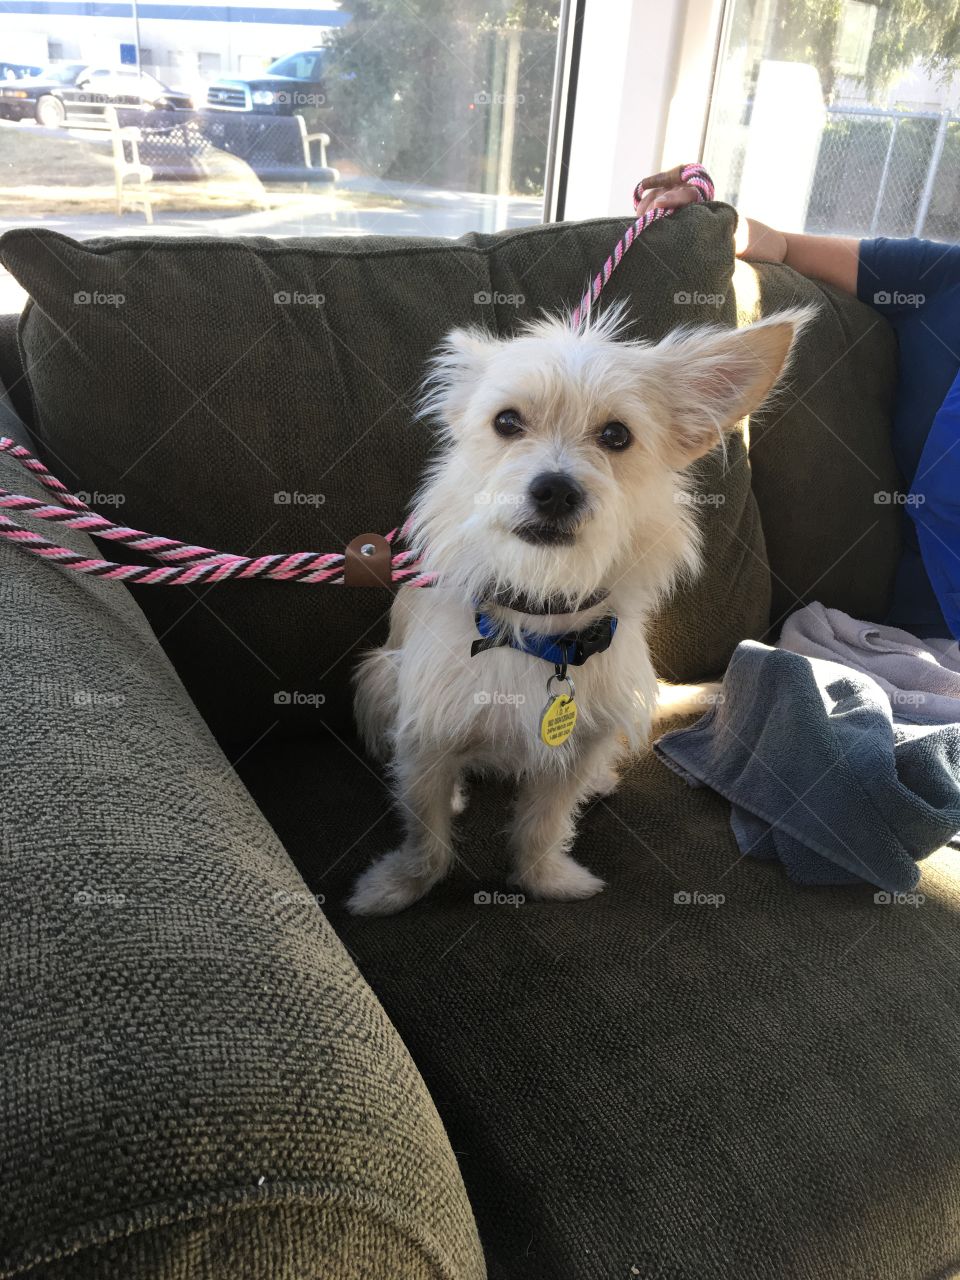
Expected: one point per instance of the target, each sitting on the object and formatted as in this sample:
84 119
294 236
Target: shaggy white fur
517 416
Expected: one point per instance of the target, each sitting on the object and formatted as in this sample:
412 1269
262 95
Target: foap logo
488 898
896 299
699 499
706 698
87 298
284 498
485 99
97 499
885 498
884 899
494 499
295 299
907 698
696 299
97 698
496 698
294 698
486 298
694 898
99 898
298 898
295 98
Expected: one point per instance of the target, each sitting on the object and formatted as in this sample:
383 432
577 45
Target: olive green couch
210 1071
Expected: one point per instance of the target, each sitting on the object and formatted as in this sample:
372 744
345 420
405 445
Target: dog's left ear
455 372
718 377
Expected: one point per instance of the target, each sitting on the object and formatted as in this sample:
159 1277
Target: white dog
558 518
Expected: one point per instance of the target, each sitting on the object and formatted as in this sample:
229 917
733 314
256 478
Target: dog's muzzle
556 504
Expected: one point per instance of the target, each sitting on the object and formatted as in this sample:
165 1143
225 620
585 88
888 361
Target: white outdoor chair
126 142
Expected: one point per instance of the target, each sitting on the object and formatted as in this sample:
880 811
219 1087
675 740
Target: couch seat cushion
638 1085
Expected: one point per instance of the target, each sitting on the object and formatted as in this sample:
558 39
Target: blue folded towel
817 772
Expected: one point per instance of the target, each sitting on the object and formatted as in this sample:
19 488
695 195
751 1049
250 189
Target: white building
184 45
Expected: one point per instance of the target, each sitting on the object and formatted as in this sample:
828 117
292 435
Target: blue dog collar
567 649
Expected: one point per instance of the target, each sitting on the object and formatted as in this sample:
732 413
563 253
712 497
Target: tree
426 90
906 32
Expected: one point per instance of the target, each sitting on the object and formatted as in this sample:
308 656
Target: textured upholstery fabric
195 1081
760 1090
820 454
199 398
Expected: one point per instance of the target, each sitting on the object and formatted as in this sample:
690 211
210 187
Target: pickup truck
294 85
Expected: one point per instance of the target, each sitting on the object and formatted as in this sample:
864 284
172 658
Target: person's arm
833 259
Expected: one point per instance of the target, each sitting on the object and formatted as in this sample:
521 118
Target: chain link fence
887 173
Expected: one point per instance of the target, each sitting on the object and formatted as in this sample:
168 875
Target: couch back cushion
258 396
824 474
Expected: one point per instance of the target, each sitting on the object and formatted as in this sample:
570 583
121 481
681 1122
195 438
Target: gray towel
818 774
920 677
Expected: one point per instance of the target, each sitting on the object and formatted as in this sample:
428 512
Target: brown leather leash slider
368 562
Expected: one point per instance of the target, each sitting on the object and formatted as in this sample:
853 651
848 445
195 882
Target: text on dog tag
558 720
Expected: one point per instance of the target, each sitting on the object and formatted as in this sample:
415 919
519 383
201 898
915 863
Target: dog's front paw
559 879
388 886
601 782
460 798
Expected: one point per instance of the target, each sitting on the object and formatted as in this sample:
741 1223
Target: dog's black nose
555 495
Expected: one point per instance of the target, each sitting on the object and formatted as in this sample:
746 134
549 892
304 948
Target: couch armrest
196 1081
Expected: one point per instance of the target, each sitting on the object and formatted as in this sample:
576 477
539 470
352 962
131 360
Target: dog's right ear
454 374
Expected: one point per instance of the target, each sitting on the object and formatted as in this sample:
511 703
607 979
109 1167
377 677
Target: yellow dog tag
559 716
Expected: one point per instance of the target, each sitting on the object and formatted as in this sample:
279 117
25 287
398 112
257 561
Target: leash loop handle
695 176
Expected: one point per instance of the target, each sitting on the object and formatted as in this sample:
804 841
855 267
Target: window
435 116
838 120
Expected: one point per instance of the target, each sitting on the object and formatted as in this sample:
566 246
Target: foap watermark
485 99
296 98
286 498
496 698
286 298
883 898
298 898
492 498
907 698
707 698
493 898
488 298
98 499
295 698
695 898
93 298
896 299
99 898
97 698
699 499
696 299
886 498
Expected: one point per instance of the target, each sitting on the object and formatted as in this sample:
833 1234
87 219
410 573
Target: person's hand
666 191
755 241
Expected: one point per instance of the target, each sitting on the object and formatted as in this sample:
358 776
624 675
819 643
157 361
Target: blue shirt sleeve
898 276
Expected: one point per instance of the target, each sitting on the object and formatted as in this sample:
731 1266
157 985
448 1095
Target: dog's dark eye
508 423
615 436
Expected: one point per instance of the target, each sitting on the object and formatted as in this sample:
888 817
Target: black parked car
294 85
17 70
75 93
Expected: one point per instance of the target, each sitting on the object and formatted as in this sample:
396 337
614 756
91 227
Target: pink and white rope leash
185 564
695 176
